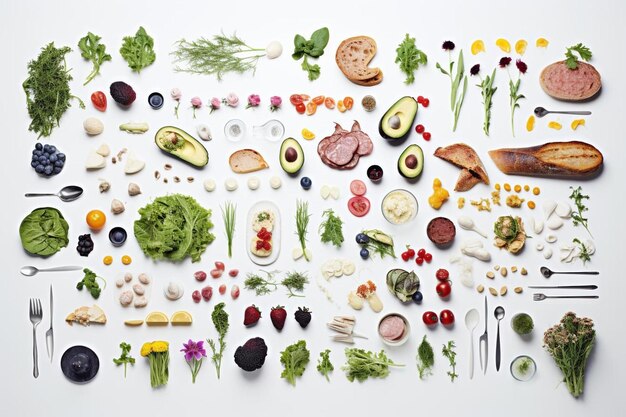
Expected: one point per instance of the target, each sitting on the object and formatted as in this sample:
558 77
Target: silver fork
539 297
36 314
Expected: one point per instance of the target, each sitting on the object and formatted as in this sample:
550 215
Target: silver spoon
547 272
499 314
30 270
471 321
68 193
540 112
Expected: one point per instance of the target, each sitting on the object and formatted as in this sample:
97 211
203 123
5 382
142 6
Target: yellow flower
146 349
160 346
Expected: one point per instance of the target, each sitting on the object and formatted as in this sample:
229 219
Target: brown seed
524 271
513 269
157 175
480 288
490 275
165 180
114 160
190 179
518 290
176 179
167 167
503 271
496 267
503 290
493 291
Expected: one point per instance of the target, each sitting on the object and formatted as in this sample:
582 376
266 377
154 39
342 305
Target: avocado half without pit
411 162
291 156
396 123
176 142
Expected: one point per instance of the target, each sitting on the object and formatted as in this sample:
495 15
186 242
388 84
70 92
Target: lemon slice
555 125
504 45
181 318
133 323
520 46
530 123
156 318
307 134
542 43
478 46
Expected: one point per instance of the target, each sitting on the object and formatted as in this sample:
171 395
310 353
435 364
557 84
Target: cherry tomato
222 290
220 265
340 106
442 274
419 260
300 108
305 97
196 296
311 108
319 100
426 135
99 100
444 288
425 102
329 103
199 276
421 253
295 99
430 318
410 251
419 129
359 206
428 257
348 102
446 317
357 187
96 219
405 256
420 99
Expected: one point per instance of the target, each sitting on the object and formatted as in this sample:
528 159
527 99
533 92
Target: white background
30 25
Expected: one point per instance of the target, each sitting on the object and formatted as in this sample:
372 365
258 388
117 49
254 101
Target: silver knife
49 333
484 350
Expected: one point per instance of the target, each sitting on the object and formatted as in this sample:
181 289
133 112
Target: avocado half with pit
182 145
396 123
411 162
291 156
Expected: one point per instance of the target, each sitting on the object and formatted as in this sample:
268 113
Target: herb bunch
312 48
571 60
229 215
261 285
302 223
331 228
47 89
457 96
220 321
584 253
94 51
425 358
487 91
295 359
138 50
295 281
448 352
124 358
410 58
514 94
89 281
324 366
578 217
362 364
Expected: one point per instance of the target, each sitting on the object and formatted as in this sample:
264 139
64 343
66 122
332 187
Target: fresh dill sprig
260 285
295 281
331 228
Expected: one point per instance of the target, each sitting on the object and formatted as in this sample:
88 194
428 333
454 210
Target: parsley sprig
571 60
124 358
331 228
578 217
410 58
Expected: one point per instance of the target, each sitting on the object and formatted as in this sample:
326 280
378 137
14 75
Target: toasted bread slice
562 83
371 81
465 157
246 160
552 159
354 55
87 315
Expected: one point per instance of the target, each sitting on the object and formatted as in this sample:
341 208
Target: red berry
266 245
421 253
411 252
216 273
251 315
419 129
405 256
430 318
426 135
220 266
442 274
425 102
233 273
278 316
419 260
234 292
200 276
428 257
420 99
196 296
207 292
222 289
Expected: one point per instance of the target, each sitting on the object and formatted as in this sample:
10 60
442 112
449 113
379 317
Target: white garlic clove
554 223
209 185
563 210
548 208
231 184
551 238
537 226
539 246
325 191
547 254
254 183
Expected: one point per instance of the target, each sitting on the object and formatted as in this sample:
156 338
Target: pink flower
194 350
196 103
231 100
275 103
215 104
253 100
176 94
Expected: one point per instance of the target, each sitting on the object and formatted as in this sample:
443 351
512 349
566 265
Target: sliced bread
353 57
246 160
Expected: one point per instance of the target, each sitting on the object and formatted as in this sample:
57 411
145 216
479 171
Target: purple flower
231 100
253 100
521 66
504 62
194 350
448 45
275 103
475 69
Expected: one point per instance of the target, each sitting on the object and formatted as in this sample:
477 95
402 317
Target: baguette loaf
246 160
562 83
554 159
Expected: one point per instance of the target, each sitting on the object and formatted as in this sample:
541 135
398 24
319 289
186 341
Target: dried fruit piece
518 290
520 46
555 125
503 271
514 269
531 205
493 291
490 275
478 46
577 122
530 123
504 45
524 271
480 288
541 43
503 290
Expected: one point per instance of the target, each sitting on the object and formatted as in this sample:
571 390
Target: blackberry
85 245
303 316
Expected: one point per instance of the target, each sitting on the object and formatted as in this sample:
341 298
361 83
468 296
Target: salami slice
391 328
342 151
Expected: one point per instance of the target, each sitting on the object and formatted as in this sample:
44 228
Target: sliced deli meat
343 148
342 151
562 83
392 327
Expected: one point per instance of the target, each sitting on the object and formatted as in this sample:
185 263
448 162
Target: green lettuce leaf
44 231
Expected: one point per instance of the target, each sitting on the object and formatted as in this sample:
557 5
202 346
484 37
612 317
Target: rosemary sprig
302 223
578 217
228 215
456 96
216 57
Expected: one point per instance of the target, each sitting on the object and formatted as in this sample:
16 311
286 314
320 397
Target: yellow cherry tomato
126 260
96 219
504 45
107 260
478 46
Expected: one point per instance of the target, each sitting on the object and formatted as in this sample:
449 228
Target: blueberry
56 170
61 156
46 148
53 149
53 157
364 253
48 170
42 159
39 169
37 153
306 182
38 146
58 164
362 239
34 158
417 297
46 154
34 163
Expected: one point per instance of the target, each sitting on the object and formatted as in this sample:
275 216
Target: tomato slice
359 206
99 100
295 99
358 187
300 108
319 100
305 97
329 102
348 102
311 108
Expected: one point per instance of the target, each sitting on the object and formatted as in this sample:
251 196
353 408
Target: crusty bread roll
246 160
465 157
562 83
553 159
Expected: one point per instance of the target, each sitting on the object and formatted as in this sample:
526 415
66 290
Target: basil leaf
320 39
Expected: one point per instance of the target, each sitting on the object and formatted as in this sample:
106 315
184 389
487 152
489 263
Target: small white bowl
412 202
405 334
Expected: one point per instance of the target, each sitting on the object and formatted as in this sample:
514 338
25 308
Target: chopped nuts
518 290
490 275
460 202
513 269
167 167
157 175
524 271
503 290
503 271
480 288
493 291
104 186
482 205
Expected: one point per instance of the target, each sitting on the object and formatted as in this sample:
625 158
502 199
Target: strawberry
266 245
278 316
303 316
251 315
